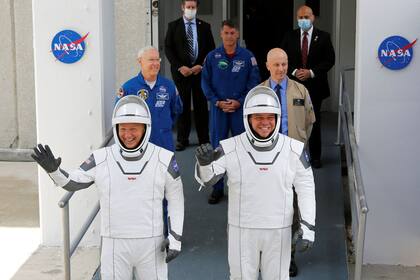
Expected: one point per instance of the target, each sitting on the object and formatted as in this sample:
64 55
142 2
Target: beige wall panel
25 87
8 127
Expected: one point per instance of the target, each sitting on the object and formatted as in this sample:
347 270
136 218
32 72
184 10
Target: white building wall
70 102
387 111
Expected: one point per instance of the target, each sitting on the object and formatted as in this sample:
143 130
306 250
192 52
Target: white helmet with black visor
261 100
132 109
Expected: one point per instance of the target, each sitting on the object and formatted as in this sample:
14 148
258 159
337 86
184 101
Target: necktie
304 49
190 40
278 92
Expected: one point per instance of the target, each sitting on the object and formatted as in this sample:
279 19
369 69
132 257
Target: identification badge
298 102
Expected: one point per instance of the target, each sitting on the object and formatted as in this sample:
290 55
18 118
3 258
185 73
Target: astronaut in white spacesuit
261 166
132 177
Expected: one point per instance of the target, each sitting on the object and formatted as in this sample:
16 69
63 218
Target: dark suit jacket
176 45
321 58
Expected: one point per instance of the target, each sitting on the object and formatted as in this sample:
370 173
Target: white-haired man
132 177
261 166
160 94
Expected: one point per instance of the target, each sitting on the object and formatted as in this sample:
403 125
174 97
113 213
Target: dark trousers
315 139
192 86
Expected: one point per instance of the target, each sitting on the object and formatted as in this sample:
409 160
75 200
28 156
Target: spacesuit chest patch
143 93
238 65
223 64
161 97
89 163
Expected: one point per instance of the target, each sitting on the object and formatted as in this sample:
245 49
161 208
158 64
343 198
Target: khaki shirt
300 111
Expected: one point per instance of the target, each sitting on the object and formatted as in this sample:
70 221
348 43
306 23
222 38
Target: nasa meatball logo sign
396 52
68 46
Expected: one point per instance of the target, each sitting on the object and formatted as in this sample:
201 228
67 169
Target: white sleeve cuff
174 244
307 233
59 178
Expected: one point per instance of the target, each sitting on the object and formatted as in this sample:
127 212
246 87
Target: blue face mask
305 24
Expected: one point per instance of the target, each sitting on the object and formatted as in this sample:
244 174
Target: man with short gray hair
159 93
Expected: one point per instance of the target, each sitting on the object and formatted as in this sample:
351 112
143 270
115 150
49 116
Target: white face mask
190 13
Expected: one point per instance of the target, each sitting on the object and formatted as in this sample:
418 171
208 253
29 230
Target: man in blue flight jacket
160 94
229 72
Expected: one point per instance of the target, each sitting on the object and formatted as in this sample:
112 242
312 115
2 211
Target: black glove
305 244
45 158
170 254
204 154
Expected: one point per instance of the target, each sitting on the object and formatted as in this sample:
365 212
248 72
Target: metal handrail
69 248
16 155
345 119
340 99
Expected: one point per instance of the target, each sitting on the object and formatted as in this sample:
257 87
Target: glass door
232 9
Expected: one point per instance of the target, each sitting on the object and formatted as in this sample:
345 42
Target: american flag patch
254 61
88 164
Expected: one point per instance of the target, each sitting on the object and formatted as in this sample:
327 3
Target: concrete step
46 264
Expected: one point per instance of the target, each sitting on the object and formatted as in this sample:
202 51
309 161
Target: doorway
262 24
211 11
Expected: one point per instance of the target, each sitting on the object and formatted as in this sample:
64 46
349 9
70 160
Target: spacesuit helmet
132 109
261 100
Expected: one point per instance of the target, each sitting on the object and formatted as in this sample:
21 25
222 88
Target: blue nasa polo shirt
164 104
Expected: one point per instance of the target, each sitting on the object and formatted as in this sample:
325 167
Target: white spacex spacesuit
131 185
260 174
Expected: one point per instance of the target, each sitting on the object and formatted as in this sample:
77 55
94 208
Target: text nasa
394 53
68 47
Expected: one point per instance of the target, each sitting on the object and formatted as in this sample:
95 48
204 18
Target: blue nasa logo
396 52
68 46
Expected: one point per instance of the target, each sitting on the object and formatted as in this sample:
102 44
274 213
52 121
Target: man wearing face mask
187 42
311 56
